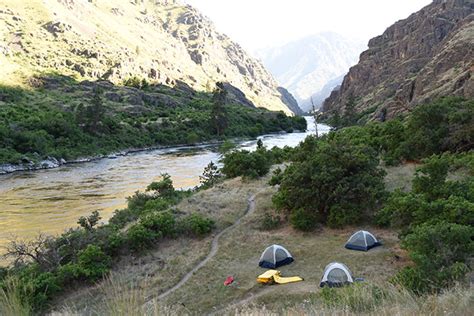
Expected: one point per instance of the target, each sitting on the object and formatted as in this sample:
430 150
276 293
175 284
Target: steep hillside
161 40
305 66
428 55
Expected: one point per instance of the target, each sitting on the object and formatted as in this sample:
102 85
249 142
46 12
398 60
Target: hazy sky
258 24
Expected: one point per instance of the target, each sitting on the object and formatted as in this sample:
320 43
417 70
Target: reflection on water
51 201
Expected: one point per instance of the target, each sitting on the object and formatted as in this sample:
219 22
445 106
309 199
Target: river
50 201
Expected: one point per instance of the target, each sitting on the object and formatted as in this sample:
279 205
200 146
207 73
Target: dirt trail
214 248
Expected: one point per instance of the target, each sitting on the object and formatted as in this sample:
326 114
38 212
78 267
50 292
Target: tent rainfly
274 257
336 275
362 240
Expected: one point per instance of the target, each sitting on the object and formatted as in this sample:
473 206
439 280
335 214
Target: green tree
90 117
350 114
163 188
90 221
219 119
210 175
336 184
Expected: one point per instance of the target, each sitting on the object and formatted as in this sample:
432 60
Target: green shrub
304 220
89 222
197 225
270 221
122 217
443 125
433 199
247 164
277 177
93 262
163 222
138 200
35 287
440 253
141 238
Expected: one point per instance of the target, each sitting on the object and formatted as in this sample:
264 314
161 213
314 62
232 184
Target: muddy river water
51 201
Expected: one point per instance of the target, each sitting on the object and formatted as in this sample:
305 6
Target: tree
90 221
219 120
38 250
90 117
336 183
210 175
350 115
163 188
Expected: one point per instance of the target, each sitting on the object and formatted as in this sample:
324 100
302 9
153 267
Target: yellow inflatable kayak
274 276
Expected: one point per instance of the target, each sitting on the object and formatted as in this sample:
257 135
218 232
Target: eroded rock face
160 40
428 55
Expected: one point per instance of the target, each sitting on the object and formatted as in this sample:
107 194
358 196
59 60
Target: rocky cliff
428 55
162 41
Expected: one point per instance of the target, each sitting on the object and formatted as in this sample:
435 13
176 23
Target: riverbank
54 199
52 162
143 284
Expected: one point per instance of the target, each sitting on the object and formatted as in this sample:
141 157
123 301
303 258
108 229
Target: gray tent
274 257
362 240
335 275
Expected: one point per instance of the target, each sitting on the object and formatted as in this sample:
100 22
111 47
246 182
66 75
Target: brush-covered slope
428 55
161 40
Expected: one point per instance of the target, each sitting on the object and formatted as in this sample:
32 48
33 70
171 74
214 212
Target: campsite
190 157
238 254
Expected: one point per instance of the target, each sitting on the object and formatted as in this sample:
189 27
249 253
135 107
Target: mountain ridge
428 55
304 66
162 41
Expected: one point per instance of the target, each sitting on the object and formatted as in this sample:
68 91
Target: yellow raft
274 276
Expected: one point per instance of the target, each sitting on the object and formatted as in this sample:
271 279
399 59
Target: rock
290 100
134 99
426 56
112 96
234 95
158 99
80 69
56 28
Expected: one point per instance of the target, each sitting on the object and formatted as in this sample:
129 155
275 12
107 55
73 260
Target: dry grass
11 302
360 300
137 280
163 267
239 254
400 177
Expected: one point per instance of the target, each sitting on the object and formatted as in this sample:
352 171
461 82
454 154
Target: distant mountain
163 41
428 55
307 65
318 98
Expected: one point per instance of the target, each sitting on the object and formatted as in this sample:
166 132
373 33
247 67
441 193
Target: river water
50 201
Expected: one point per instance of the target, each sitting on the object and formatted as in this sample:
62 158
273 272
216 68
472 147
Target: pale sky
257 24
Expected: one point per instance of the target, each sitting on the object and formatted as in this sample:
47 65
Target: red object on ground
229 280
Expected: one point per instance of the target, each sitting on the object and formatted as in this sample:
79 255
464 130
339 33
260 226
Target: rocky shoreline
52 162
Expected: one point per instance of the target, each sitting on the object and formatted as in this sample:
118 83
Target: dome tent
362 240
336 275
274 257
